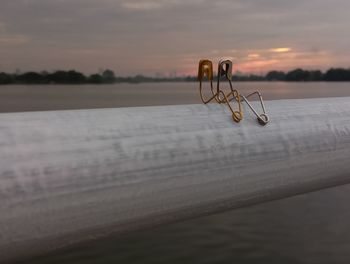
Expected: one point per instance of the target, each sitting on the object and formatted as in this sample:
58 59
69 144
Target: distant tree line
108 77
75 77
57 77
300 75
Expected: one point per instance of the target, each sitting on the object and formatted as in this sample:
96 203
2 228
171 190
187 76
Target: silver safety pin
225 69
263 118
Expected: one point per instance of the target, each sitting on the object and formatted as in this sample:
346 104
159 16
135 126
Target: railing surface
70 176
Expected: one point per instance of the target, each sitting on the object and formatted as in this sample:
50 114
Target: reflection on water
311 228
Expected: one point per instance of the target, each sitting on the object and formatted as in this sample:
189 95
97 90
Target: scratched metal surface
71 176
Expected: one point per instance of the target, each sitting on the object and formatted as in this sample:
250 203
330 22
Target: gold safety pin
205 69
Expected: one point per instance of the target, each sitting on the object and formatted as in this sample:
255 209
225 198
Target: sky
169 37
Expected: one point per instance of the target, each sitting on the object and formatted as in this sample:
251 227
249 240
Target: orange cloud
253 56
280 50
256 66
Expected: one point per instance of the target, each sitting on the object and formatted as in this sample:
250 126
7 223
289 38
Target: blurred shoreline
108 77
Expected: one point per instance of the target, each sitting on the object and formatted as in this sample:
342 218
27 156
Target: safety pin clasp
263 118
225 68
205 68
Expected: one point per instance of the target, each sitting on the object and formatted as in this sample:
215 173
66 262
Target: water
310 228
57 97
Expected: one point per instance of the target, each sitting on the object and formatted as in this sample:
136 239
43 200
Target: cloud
254 56
2 27
142 5
13 40
280 50
151 36
8 39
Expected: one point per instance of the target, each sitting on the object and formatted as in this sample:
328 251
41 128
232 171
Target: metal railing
70 176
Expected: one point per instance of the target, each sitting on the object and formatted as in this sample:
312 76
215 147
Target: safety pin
225 69
263 118
206 69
